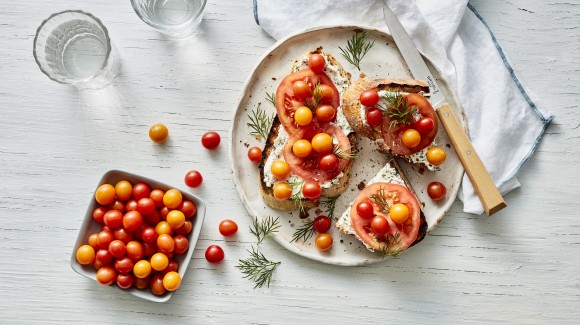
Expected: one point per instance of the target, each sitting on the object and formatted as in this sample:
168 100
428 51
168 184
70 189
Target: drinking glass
175 18
73 47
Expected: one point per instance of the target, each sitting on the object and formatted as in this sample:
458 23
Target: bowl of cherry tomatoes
138 235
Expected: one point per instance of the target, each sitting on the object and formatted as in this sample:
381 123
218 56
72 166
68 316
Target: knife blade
485 188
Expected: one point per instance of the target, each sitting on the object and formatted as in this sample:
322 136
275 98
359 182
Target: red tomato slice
392 135
307 168
407 231
286 103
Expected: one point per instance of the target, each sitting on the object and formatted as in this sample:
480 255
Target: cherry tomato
175 219
157 197
149 235
117 205
436 191
380 225
104 256
146 205
141 283
163 228
152 219
311 190
322 224
141 190
125 281
193 179
132 220
228 227
255 155
97 264
106 275
328 162
325 113
172 198
93 241
369 98
149 249
185 229
214 254
365 209
171 281
99 214
124 264
131 205
123 235
135 249
188 208
165 243
323 242
210 140
85 254
113 219
424 125
411 138
104 238
282 191
159 261
301 90
316 62
436 156
158 133
326 93
321 143
302 148
399 212
303 116
280 169
181 244
105 194
163 214
124 190
172 266
374 117
142 269
117 248
156 285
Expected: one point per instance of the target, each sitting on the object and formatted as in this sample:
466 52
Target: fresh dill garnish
314 101
257 268
297 197
305 232
271 98
344 154
264 228
356 49
397 109
387 247
260 122
329 204
380 199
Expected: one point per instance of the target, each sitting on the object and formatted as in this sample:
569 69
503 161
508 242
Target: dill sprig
271 98
305 232
297 197
314 101
387 247
264 228
344 154
397 109
257 268
380 199
356 49
260 122
329 204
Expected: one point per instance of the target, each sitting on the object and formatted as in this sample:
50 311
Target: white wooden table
521 265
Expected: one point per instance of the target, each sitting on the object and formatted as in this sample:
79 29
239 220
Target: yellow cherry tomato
399 212
124 190
282 191
302 148
171 281
303 116
142 269
175 219
280 169
322 143
158 133
172 198
436 156
411 138
85 254
159 261
163 227
105 194
323 241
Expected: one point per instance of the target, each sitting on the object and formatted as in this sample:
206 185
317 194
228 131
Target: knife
485 188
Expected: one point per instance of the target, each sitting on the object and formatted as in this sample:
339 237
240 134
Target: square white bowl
90 226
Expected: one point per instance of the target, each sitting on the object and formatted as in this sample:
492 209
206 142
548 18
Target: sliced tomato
392 135
286 103
400 236
308 168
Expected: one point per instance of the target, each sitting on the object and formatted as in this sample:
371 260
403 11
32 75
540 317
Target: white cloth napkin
504 120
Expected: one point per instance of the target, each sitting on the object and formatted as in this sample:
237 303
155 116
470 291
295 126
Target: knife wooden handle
488 193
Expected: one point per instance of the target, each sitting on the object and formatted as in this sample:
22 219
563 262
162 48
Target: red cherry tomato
214 254
436 191
188 208
185 229
424 125
365 209
255 154
301 90
117 205
125 281
146 205
117 248
374 117
104 238
134 250
325 113
328 162
316 62
311 190
326 93
99 214
124 265
106 275
157 197
210 140
380 225
123 235
149 235
141 190
181 244
131 205
369 98
228 227
113 219
322 224
193 179
132 220
104 256
156 285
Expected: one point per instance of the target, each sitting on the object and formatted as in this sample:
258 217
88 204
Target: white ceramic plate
383 60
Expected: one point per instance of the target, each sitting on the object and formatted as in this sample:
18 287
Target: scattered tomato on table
214 254
158 133
193 179
210 140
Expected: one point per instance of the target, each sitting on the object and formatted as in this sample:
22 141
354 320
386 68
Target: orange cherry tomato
323 241
436 156
282 191
158 133
411 138
105 194
280 169
321 143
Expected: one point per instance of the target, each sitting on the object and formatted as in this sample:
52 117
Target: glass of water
73 47
175 18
